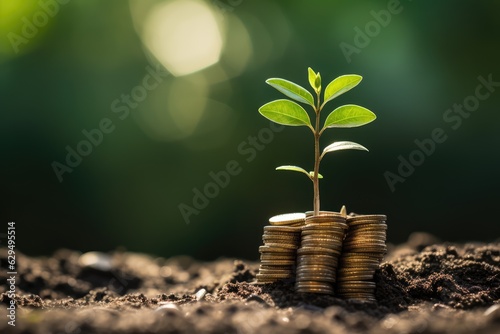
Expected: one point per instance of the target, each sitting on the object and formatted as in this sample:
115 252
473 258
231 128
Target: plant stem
316 160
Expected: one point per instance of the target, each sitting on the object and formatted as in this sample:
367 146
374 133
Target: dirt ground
423 286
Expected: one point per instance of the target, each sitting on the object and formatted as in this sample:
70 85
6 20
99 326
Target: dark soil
422 287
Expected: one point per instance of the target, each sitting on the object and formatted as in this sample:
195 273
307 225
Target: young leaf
294 169
312 77
342 145
285 112
312 175
292 90
340 85
349 116
317 83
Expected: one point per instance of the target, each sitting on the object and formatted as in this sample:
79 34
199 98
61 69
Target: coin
367 217
317 250
278 254
277 262
316 278
314 285
316 270
317 257
288 219
363 249
288 229
274 267
271 257
283 245
273 276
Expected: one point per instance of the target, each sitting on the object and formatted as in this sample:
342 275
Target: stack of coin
279 252
317 257
363 250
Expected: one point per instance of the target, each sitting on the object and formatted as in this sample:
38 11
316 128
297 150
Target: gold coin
313 285
282 235
340 227
356 271
315 290
317 250
273 276
267 249
310 260
366 235
325 219
325 232
282 229
359 244
324 244
367 217
324 213
307 263
366 239
316 278
360 260
283 245
360 284
360 255
277 256
359 247
317 267
322 238
367 225
267 267
276 272
361 232
268 260
278 240
358 266
288 218
322 234
341 278
277 262
316 270
371 269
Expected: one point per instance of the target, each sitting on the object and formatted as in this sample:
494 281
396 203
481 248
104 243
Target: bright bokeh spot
183 35
173 110
13 17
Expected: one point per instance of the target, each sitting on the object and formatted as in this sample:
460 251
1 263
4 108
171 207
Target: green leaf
312 77
349 116
294 169
341 85
343 145
285 112
312 175
292 90
314 80
317 82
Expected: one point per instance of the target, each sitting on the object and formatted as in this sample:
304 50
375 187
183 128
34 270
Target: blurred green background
179 84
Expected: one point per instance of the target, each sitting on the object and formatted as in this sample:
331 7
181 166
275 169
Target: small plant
287 112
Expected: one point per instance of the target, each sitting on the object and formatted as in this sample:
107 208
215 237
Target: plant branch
317 135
